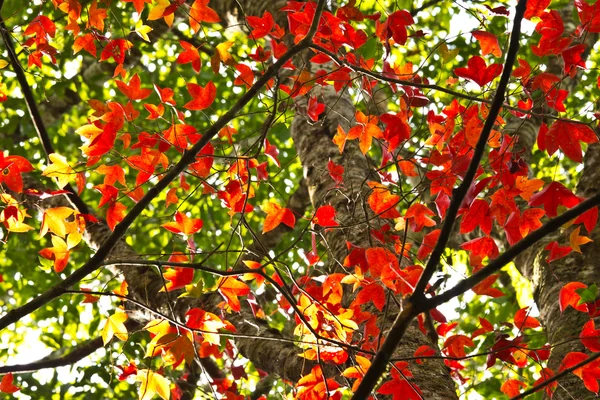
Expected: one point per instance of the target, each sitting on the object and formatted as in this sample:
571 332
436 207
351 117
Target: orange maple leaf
132 89
202 97
183 224
276 215
200 12
96 16
230 288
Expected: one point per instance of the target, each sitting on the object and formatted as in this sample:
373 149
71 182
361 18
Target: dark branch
410 311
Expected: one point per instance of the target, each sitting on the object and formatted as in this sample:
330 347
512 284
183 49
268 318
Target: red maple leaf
11 168
230 288
261 27
183 224
190 55
478 71
590 336
325 216
552 196
568 296
6 384
566 136
132 89
488 42
314 109
535 8
202 97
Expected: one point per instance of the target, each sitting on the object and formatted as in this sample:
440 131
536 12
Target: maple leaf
566 136
178 278
556 251
132 89
365 130
590 336
202 97
552 196
589 15
85 42
546 373
221 56
277 215
59 169
535 8
523 320
230 288
59 253
572 59
117 49
382 202
325 216
261 27
142 30
96 16
486 327
115 327
340 138
190 55
115 214
455 345
6 384
372 292
336 172
418 217
245 77
11 168
138 4
488 42
568 296
127 371
54 220
589 373
200 12
314 109
357 372
208 323
483 246
183 224
152 384
575 240
42 27
429 241
478 72
397 23
512 387
477 215
315 386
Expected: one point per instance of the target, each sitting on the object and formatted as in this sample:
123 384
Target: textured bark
315 147
547 279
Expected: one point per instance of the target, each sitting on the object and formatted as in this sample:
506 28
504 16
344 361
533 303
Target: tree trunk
547 279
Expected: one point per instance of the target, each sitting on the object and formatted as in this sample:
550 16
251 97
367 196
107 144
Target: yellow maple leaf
142 30
577 240
54 220
59 169
115 327
14 221
153 383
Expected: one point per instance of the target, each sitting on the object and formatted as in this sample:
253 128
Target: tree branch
188 157
411 309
